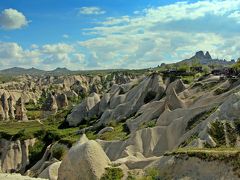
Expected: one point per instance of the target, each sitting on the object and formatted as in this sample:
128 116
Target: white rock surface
84 161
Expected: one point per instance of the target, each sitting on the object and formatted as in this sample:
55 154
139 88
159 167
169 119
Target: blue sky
94 34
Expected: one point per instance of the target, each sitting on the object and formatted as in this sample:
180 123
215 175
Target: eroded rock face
2 113
51 172
62 100
172 167
14 155
125 101
11 108
21 112
51 104
5 105
88 108
85 161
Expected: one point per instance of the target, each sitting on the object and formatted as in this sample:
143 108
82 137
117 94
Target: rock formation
51 172
2 113
14 155
50 104
11 108
62 100
5 105
85 161
21 110
87 109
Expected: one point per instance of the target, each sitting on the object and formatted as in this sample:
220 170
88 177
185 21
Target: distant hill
33 71
200 56
206 59
16 71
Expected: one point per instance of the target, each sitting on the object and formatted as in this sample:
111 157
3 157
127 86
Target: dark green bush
112 174
36 152
59 151
217 132
231 134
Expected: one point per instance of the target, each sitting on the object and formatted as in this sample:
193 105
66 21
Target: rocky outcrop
123 105
2 113
62 100
51 172
184 167
50 104
14 155
21 112
5 105
11 108
106 129
84 161
87 109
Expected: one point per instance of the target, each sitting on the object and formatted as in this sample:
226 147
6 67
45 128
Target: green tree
206 69
184 67
196 62
237 64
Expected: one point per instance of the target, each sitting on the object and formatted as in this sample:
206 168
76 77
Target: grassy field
36 129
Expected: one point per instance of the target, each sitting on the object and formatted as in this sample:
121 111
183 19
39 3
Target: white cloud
166 33
47 56
12 19
91 11
162 34
66 36
235 15
59 48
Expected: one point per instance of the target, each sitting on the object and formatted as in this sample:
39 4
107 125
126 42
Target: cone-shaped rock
21 110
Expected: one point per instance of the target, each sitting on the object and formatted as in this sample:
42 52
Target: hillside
138 125
206 59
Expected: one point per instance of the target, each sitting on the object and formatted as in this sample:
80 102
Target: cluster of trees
237 64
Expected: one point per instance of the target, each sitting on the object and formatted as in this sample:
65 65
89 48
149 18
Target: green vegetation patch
148 124
36 152
237 125
47 129
120 132
59 151
188 79
209 86
229 156
231 134
217 133
189 140
113 174
34 114
219 91
199 118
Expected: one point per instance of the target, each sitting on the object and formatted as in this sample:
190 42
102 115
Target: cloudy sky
101 34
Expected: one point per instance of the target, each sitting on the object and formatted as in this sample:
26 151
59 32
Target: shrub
189 140
59 151
219 91
217 132
149 124
152 173
199 118
231 134
237 125
112 173
36 152
22 135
